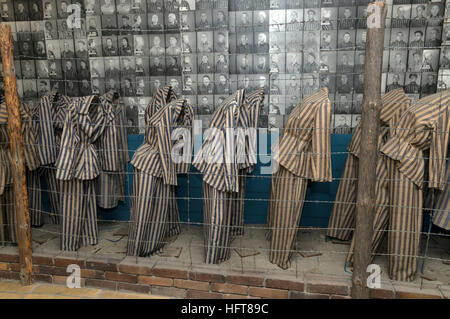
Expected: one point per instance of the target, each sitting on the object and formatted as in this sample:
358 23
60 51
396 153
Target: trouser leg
53 186
290 194
107 189
174 215
405 225
217 224
237 217
34 198
72 212
89 230
381 217
342 219
149 217
8 207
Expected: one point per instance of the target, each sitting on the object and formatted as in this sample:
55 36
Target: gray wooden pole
17 158
370 126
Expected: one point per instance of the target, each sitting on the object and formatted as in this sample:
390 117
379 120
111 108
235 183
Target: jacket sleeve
320 145
438 152
231 171
107 142
164 128
47 142
68 149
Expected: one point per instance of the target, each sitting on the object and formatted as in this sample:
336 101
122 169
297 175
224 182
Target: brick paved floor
14 290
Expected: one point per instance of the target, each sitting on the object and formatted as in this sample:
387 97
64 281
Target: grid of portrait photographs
207 49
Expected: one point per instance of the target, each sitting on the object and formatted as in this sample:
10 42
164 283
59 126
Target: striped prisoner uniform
254 103
220 161
7 211
342 219
394 104
79 164
154 211
51 113
110 185
303 153
424 126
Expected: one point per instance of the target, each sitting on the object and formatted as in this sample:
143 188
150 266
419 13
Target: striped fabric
441 215
342 219
304 154
254 103
154 210
79 163
51 114
31 159
423 126
110 185
221 174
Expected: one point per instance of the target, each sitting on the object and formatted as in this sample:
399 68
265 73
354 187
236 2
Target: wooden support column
17 157
370 126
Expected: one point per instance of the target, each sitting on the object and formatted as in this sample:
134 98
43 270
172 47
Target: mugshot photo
205 41
205 63
278 63
329 18
187 21
97 67
328 40
189 63
412 83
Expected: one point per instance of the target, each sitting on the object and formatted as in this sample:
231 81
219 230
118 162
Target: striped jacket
155 156
395 103
160 100
425 125
51 112
304 148
220 158
29 137
84 126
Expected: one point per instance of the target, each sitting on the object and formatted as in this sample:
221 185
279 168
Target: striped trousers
34 194
149 215
34 197
78 214
110 189
174 215
441 215
405 222
287 195
8 214
217 215
382 200
342 219
237 202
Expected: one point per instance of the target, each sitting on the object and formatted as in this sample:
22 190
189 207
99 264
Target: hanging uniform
110 185
222 157
51 112
31 165
154 208
254 103
423 126
79 164
342 219
441 214
304 154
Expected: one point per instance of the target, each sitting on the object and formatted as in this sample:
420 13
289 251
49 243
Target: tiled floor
14 290
187 249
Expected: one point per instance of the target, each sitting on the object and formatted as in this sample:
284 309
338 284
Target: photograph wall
208 49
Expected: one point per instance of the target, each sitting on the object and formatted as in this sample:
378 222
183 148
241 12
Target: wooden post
17 157
370 126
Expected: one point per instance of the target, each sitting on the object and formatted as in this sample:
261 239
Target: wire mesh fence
113 182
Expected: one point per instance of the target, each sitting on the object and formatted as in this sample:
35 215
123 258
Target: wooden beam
17 157
370 126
